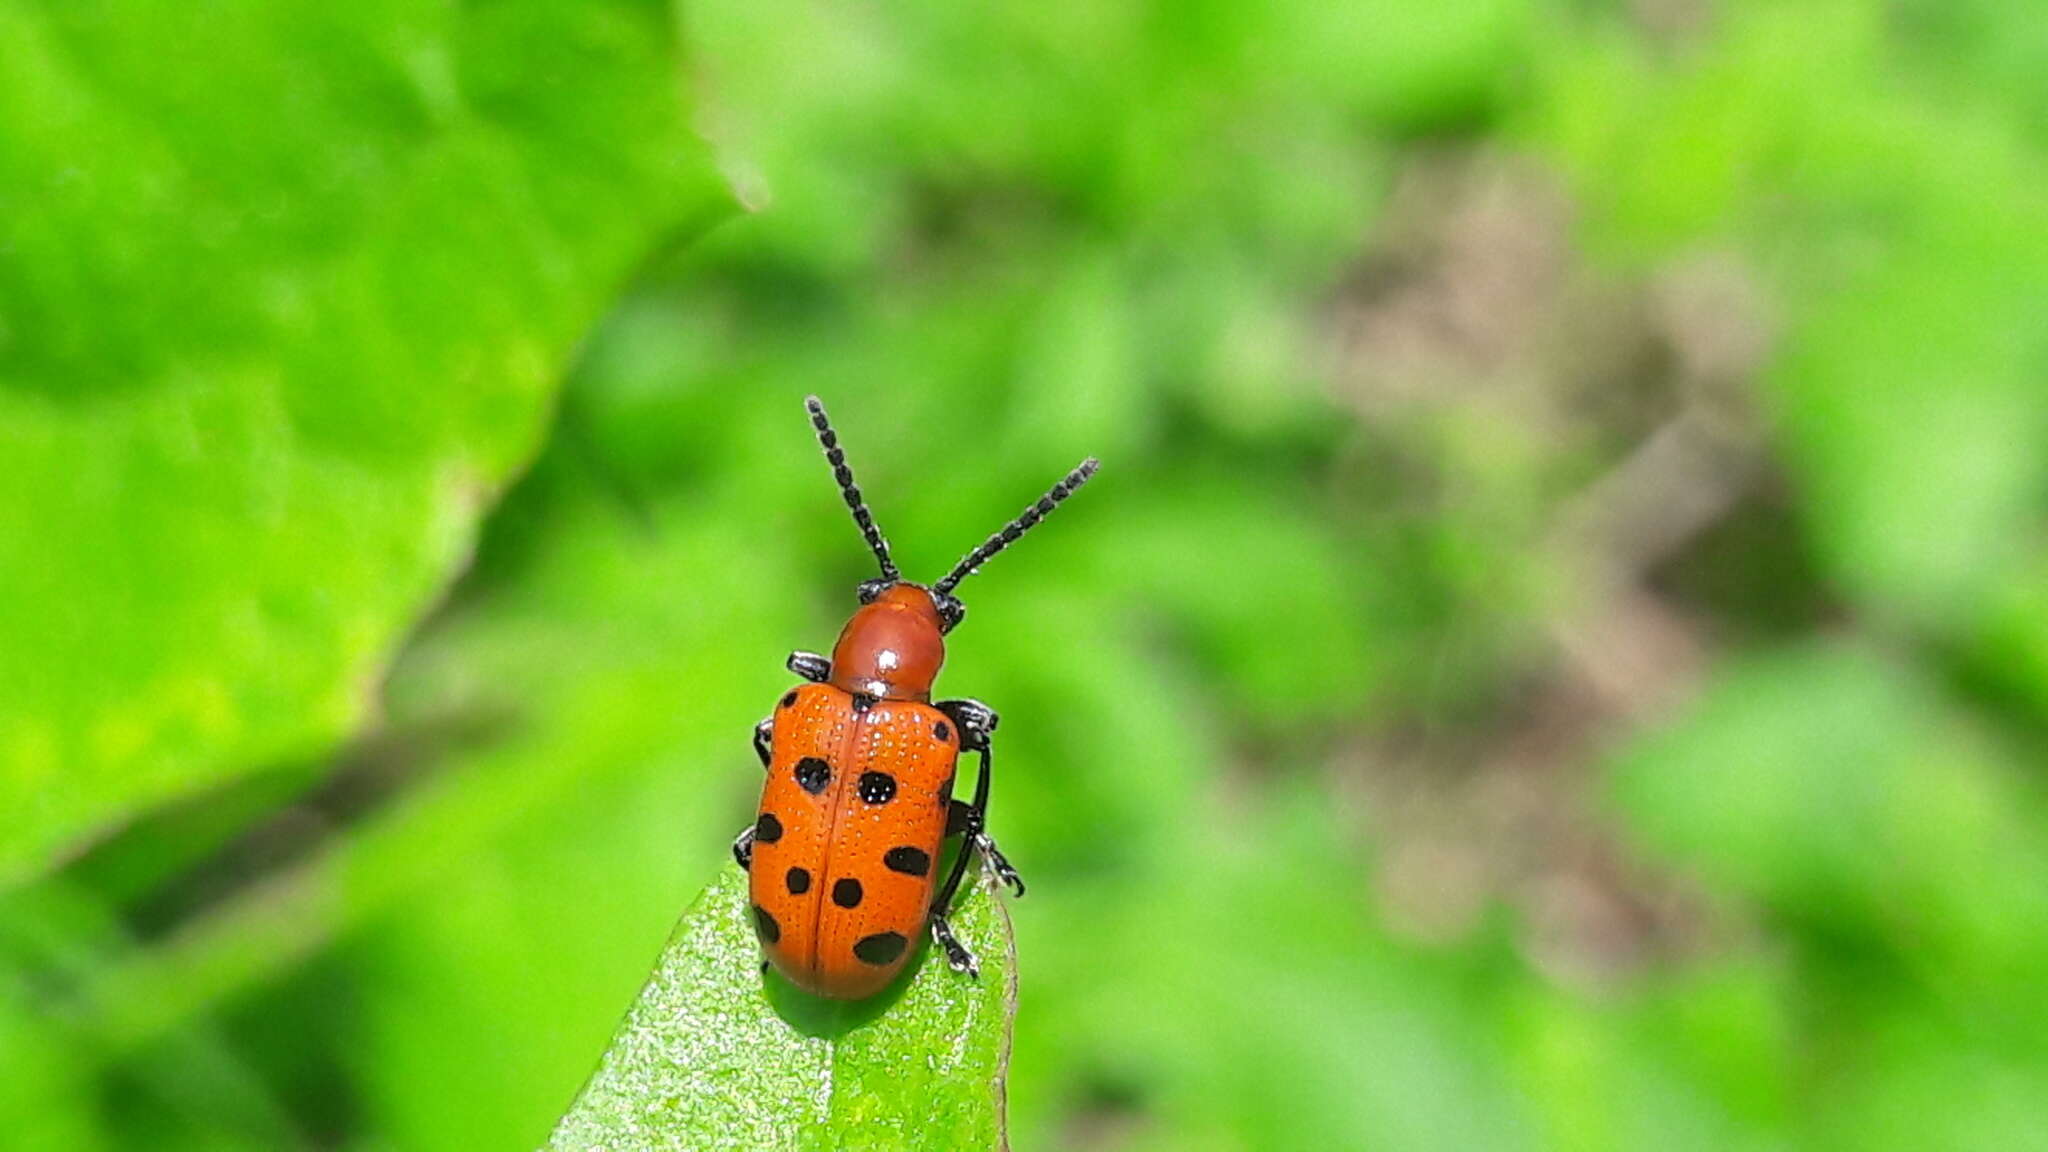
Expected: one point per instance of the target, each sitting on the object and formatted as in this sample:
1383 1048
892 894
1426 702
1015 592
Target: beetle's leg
964 819
1004 872
976 721
957 955
743 844
968 819
810 666
943 902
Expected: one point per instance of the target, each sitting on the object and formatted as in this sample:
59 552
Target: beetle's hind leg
969 819
743 849
957 955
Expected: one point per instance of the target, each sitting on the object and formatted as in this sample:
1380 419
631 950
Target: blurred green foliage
1556 656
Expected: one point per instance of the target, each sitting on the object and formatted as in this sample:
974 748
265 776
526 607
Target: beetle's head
951 611
894 644
896 639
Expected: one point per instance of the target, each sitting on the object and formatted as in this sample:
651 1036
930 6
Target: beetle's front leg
811 666
976 721
743 849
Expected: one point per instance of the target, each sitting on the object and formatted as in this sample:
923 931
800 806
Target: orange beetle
859 798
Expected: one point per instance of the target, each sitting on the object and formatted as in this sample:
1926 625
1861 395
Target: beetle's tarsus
996 859
811 666
743 849
965 819
957 955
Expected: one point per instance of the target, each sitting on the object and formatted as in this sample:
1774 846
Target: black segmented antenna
836 457
1015 528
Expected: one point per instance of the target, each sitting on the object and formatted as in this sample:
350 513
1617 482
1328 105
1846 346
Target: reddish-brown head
893 646
895 642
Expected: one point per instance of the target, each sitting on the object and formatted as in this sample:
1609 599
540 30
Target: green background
1556 656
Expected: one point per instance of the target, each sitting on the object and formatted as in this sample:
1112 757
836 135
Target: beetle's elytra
843 854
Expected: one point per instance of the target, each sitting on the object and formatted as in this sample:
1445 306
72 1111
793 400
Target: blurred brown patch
1674 25
1604 422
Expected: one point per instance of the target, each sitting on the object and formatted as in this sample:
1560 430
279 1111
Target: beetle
858 803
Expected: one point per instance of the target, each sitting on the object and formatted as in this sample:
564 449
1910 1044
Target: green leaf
275 331
715 1055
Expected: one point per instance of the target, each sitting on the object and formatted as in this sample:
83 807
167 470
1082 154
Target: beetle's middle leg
743 844
977 723
964 819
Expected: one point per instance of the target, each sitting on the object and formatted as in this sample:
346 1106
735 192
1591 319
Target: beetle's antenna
974 560
836 457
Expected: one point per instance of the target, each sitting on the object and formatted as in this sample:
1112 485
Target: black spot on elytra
766 925
812 774
862 701
881 948
846 893
943 731
877 787
908 860
789 699
767 830
799 881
